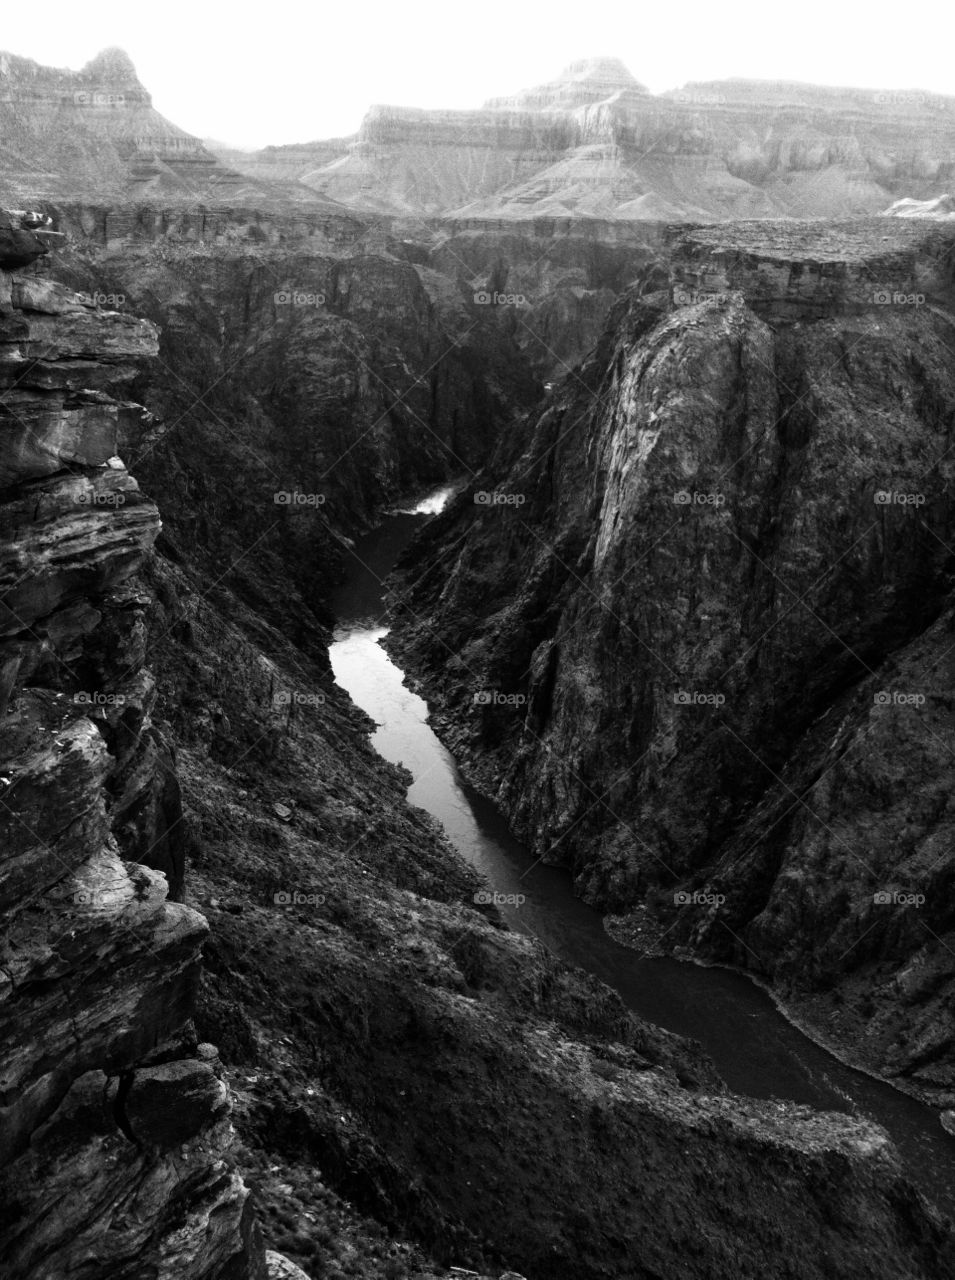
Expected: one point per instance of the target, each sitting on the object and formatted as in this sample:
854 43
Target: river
756 1050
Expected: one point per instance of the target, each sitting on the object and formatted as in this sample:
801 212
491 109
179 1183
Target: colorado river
755 1049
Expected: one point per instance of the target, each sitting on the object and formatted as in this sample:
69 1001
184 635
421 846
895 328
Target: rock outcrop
115 1136
717 571
942 207
595 143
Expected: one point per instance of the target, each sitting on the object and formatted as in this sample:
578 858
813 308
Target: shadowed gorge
624 426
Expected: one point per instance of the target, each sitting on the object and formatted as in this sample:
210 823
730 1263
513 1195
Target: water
755 1049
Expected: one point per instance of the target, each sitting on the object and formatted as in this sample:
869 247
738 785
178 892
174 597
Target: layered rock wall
595 143
94 133
115 1137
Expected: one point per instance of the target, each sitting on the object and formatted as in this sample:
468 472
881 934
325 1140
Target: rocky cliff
595 143
711 584
115 1128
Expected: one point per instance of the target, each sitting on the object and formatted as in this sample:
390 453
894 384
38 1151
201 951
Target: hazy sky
290 72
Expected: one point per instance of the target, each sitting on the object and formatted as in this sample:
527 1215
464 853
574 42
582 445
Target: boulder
167 1105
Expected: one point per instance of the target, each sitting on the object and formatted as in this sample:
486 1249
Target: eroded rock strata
594 143
713 594
115 1129
94 134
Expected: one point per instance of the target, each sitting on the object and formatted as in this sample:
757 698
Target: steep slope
114 1125
714 578
595 143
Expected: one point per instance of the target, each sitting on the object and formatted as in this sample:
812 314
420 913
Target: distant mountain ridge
595 143
94 134
591 143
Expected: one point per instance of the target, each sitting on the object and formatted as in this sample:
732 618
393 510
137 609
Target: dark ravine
756 1052
700 677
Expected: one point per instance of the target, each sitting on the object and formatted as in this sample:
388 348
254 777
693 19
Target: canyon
260 1020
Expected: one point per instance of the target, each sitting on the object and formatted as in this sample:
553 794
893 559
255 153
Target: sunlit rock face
114 1136
941 208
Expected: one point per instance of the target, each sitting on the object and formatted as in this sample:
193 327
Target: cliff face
595 143
114 1127
717 570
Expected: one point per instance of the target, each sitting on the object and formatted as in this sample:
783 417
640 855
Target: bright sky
295 71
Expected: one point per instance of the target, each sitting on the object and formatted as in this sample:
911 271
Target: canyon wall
116 1136
340 361
709 584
